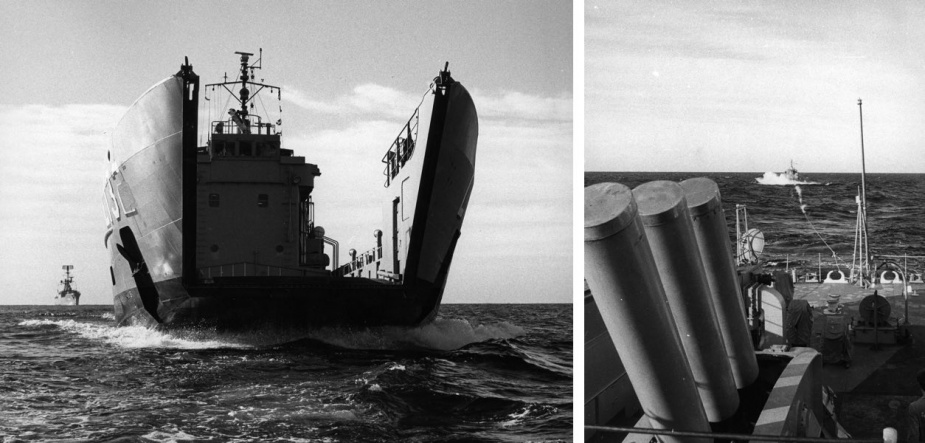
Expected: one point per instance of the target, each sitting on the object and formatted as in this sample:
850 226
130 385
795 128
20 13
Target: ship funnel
622 274
664 214
709 225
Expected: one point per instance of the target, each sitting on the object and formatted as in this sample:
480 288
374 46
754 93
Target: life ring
915 277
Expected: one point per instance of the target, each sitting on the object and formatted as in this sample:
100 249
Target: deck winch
875 325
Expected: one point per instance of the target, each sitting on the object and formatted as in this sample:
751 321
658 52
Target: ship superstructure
226 233
791 173
67 295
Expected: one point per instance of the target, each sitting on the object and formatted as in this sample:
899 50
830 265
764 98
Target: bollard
663 211
709 223
623 279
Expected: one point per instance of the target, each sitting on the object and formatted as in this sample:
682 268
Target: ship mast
67 278
244 95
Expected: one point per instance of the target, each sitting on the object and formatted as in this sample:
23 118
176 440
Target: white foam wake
774 178
441 334
173 436
132 337
800 195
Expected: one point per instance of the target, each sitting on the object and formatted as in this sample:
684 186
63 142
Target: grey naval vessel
225 234
67 296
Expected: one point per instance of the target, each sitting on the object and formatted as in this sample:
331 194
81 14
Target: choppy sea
805 223
477 373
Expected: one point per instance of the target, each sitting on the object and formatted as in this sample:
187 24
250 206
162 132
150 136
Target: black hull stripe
239 307
190 129
428 174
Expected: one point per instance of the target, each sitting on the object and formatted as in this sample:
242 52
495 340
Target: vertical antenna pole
864 190
856 260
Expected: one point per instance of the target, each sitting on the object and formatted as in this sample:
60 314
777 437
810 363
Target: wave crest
441 334
132 337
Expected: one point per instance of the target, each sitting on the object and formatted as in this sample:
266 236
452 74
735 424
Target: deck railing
249 269
623 430
811 269
254 124
359 262
402 148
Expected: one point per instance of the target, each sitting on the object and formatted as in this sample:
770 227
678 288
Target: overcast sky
746 86
352 73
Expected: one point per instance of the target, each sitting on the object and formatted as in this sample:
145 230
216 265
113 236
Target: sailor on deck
915 415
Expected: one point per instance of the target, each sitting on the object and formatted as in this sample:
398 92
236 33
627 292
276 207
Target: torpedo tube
664 214
709 225
622 274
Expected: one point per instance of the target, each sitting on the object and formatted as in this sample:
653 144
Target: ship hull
449 174
282 303
67 300
152 284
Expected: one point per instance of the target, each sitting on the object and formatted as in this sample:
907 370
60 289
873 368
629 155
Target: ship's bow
446 184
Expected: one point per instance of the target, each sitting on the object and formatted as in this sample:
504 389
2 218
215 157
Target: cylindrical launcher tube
709 223
663 211
623 279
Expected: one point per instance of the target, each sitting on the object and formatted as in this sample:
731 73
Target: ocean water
477 373
807 223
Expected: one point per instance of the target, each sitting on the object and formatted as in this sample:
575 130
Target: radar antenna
246 94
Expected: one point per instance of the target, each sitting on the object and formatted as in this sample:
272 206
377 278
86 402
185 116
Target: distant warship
67 295
225 234
791 173
790 176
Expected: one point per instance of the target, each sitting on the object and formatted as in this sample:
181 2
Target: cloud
367 99
60 149
383 101
519 106
742 86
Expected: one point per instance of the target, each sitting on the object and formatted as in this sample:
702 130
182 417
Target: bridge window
220 148
264 149
213 200
245 149
263 200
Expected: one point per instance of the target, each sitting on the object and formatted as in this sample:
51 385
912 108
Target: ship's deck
875 391
870 395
